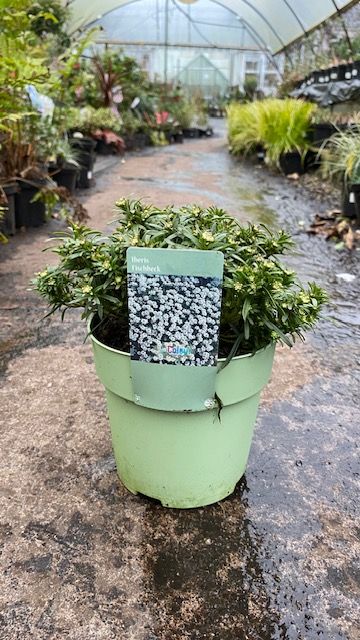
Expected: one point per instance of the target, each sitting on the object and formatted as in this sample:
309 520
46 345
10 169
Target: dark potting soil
114 333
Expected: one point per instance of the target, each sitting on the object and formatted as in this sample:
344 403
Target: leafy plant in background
108 79
244 126
250 86
262 301
158 139
341 157
132 123
183 112
285 126
88 119
25 61
61 204
280 126
49 18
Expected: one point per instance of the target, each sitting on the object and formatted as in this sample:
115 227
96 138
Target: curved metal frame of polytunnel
274 24
239 38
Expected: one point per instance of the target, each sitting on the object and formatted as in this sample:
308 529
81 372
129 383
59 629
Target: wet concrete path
82 558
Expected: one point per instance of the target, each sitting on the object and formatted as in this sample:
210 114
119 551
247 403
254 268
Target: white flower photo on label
174 319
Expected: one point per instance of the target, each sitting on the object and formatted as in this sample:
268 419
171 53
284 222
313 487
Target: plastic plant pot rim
126 353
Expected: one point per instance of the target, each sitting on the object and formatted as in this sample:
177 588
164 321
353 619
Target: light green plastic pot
183 459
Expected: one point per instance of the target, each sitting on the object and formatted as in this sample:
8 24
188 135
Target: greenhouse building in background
179 319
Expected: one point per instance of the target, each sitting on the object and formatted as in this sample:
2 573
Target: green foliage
244 126
279 125
99 78
132 123
28 32
184 113
250 86
158 139
61 204
262 301
89 119
341 156
343 51
22 62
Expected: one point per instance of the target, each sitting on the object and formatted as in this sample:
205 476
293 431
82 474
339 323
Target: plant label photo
174 299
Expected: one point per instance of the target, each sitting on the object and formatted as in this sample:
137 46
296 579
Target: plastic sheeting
330 93
274 24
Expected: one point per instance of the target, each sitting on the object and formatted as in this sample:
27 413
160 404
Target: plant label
174 300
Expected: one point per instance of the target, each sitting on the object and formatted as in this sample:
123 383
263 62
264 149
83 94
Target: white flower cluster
174 319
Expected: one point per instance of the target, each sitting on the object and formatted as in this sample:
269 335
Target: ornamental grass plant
262 301
280 126
340 156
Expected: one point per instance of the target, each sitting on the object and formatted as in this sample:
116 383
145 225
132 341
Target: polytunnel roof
271 24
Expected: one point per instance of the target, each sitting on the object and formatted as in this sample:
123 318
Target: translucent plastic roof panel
272 24
205 24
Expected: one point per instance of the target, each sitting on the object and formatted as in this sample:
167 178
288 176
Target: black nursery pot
129 142
86 159
136 141
85 177
322 131
104 149
291 162
348 71
83 144
179 137
27 213
334 74
311 161
7 223
192 132
67 177
355 188
348 200
141 140
260 153
341 70
356 69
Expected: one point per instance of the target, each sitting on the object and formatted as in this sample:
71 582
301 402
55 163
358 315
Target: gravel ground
81 557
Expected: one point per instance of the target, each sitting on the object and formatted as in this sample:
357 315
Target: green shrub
262 300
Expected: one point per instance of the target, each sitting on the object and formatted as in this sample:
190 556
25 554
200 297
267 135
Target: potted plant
184 459
341 161
285 126
65 170
280 127
323 127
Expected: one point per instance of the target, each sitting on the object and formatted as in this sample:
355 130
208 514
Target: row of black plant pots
139 140
294 163
350 201
21 210
337 73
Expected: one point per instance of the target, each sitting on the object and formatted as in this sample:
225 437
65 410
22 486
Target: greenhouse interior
180 322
